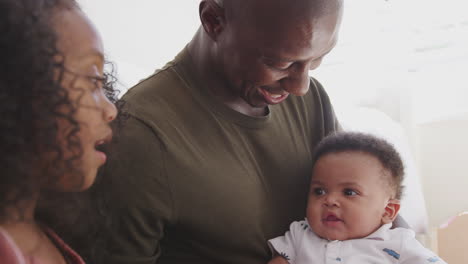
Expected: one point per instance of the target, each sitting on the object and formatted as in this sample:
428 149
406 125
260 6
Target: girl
56 105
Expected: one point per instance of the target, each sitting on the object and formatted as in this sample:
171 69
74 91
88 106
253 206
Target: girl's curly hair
32 101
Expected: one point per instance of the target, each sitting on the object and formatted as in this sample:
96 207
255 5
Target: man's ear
212 18
391 211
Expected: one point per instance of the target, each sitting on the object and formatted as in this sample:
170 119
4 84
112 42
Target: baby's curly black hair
32 101
361 142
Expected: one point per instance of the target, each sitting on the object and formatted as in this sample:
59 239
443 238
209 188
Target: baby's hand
278 260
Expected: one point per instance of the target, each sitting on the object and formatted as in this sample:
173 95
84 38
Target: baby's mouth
332 218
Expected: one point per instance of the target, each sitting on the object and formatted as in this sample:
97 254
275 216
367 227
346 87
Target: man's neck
201 51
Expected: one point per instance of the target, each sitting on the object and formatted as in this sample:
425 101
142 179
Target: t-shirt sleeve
331 123
288 245
140 195
414 252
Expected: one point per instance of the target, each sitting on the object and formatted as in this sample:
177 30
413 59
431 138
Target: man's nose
298 80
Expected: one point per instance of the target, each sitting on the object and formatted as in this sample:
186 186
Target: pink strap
9 252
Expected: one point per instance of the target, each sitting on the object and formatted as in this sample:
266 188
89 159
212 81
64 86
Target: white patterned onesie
301 245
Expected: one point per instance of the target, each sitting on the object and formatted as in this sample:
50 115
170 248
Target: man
216 154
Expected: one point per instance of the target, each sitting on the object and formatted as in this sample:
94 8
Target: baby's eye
319 191
349 192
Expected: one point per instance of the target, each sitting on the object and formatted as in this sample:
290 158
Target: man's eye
319 191
279 66
349 192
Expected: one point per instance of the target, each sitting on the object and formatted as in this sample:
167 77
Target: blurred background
399 70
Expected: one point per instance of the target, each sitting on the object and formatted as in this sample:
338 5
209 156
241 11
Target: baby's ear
391 211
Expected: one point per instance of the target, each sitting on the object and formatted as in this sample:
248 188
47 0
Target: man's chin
259 105
255 104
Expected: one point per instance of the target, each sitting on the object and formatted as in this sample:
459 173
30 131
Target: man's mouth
272 97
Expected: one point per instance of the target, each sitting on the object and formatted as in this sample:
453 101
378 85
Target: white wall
444 167
141 36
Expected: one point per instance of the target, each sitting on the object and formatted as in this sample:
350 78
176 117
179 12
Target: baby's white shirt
301 245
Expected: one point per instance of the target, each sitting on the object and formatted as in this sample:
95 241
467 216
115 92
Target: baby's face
348 196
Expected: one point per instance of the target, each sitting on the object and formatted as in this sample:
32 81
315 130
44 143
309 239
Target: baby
354 197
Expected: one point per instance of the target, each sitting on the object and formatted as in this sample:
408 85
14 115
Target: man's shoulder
158 84
402 233
167 98
316 89
161 91
167 83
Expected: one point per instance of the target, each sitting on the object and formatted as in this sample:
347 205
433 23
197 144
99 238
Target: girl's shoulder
9 252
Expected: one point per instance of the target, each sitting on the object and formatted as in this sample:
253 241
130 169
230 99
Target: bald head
258 18
252 9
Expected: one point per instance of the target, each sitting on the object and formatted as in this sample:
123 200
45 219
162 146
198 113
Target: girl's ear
391 211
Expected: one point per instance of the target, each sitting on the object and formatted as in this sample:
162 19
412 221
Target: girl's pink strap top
10 253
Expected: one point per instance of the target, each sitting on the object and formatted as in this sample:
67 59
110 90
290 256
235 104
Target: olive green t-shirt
204 183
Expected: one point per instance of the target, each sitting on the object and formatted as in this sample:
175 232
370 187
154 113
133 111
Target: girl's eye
349 192
319 191
97 81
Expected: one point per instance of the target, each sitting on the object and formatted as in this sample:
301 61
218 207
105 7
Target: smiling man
216 155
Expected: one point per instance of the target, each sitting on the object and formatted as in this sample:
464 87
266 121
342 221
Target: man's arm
400 222
413 252
140 196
